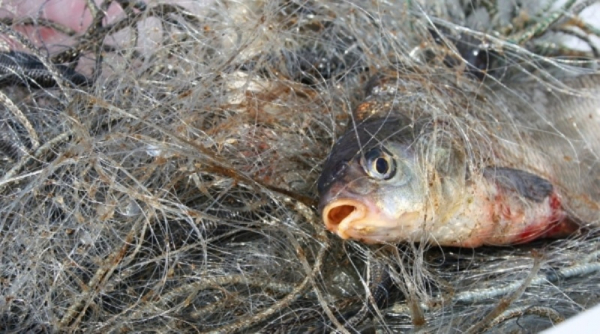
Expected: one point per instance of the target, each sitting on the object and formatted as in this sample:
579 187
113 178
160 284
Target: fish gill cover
160 164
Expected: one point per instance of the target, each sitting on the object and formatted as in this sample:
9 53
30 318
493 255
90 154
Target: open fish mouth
363 221
340 214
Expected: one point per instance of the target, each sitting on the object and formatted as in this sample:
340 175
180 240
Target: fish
498 165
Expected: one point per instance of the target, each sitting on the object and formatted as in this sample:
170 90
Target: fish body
471 172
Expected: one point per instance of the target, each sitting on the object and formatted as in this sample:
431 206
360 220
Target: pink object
70 13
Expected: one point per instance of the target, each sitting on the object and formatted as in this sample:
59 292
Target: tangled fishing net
176 191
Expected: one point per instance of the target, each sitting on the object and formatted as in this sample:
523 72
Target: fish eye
379 164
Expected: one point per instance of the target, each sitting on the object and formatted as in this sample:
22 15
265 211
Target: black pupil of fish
381 165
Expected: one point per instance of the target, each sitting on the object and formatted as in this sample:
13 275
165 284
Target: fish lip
342 226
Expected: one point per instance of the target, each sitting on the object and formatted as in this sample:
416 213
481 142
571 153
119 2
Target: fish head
371 189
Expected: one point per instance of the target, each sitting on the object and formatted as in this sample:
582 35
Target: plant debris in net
159 165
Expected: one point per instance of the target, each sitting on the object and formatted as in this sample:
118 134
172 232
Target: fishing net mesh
177 193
